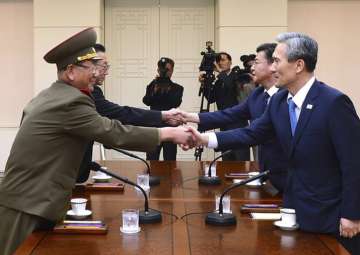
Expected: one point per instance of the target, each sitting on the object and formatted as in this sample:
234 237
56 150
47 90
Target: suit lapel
306 110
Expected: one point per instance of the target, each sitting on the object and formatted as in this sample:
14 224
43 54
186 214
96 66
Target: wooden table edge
333 245
30 243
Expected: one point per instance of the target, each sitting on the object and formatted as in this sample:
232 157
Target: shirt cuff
213 142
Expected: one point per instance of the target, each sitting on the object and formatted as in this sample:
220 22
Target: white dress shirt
213 142
300 96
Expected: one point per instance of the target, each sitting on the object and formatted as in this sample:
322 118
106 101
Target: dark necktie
292 114
266 97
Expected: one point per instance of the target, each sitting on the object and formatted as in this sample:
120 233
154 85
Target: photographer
226 92
163 94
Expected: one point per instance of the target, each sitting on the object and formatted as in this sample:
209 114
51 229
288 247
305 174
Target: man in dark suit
319 129
127 115
224 93
163 94
271 155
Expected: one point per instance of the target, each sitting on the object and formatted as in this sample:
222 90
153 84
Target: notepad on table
81 227
260 208
265 216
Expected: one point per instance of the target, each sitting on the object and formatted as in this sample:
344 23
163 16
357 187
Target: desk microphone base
226 219
151 216
154 180
206 180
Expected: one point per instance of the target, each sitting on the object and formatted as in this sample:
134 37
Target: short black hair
268 49
99 47
165 60
218 56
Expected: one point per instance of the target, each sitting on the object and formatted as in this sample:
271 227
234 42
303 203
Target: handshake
187 136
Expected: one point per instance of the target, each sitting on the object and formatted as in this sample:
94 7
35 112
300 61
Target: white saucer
101 178
281 225
253 184
130 232
228 212
83 215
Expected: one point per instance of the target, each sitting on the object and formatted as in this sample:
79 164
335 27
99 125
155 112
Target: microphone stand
146 216
227 219
153 180
212 180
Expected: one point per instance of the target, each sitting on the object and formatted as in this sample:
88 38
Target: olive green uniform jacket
45 157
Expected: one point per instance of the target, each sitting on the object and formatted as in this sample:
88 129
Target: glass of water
143 181
213 170
225 202
130 221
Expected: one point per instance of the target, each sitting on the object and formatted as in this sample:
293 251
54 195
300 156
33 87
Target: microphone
153 180
212 180
146 216
227 219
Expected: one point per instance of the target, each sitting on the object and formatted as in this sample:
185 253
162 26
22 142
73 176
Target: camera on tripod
209 57
207 79
207 66
163 80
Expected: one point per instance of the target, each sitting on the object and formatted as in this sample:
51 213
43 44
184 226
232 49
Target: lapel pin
309 106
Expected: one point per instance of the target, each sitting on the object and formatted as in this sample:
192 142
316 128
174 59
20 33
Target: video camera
209 57
241 76
207 66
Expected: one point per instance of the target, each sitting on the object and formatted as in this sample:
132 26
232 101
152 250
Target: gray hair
300 46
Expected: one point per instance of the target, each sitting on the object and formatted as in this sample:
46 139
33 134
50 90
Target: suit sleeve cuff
213 142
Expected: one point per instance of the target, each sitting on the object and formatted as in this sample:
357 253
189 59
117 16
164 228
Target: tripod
206 86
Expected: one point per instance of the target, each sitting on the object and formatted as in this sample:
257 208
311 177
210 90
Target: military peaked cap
77 48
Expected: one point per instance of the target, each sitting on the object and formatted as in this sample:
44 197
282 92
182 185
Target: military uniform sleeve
81 119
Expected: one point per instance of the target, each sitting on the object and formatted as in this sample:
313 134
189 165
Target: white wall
335 26
242 25
54 21
16 70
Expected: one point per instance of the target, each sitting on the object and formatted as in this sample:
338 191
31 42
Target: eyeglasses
105 66
91 68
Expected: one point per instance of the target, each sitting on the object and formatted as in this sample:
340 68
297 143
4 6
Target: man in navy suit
226 93
271 155
318 127
127 115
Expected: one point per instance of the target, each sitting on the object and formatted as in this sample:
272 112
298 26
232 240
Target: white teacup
288 216
206 170
78 205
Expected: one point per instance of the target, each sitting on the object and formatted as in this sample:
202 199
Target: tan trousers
15 226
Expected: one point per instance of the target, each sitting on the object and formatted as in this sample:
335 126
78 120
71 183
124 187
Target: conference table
178 194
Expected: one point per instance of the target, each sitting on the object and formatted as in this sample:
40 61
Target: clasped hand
187 136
